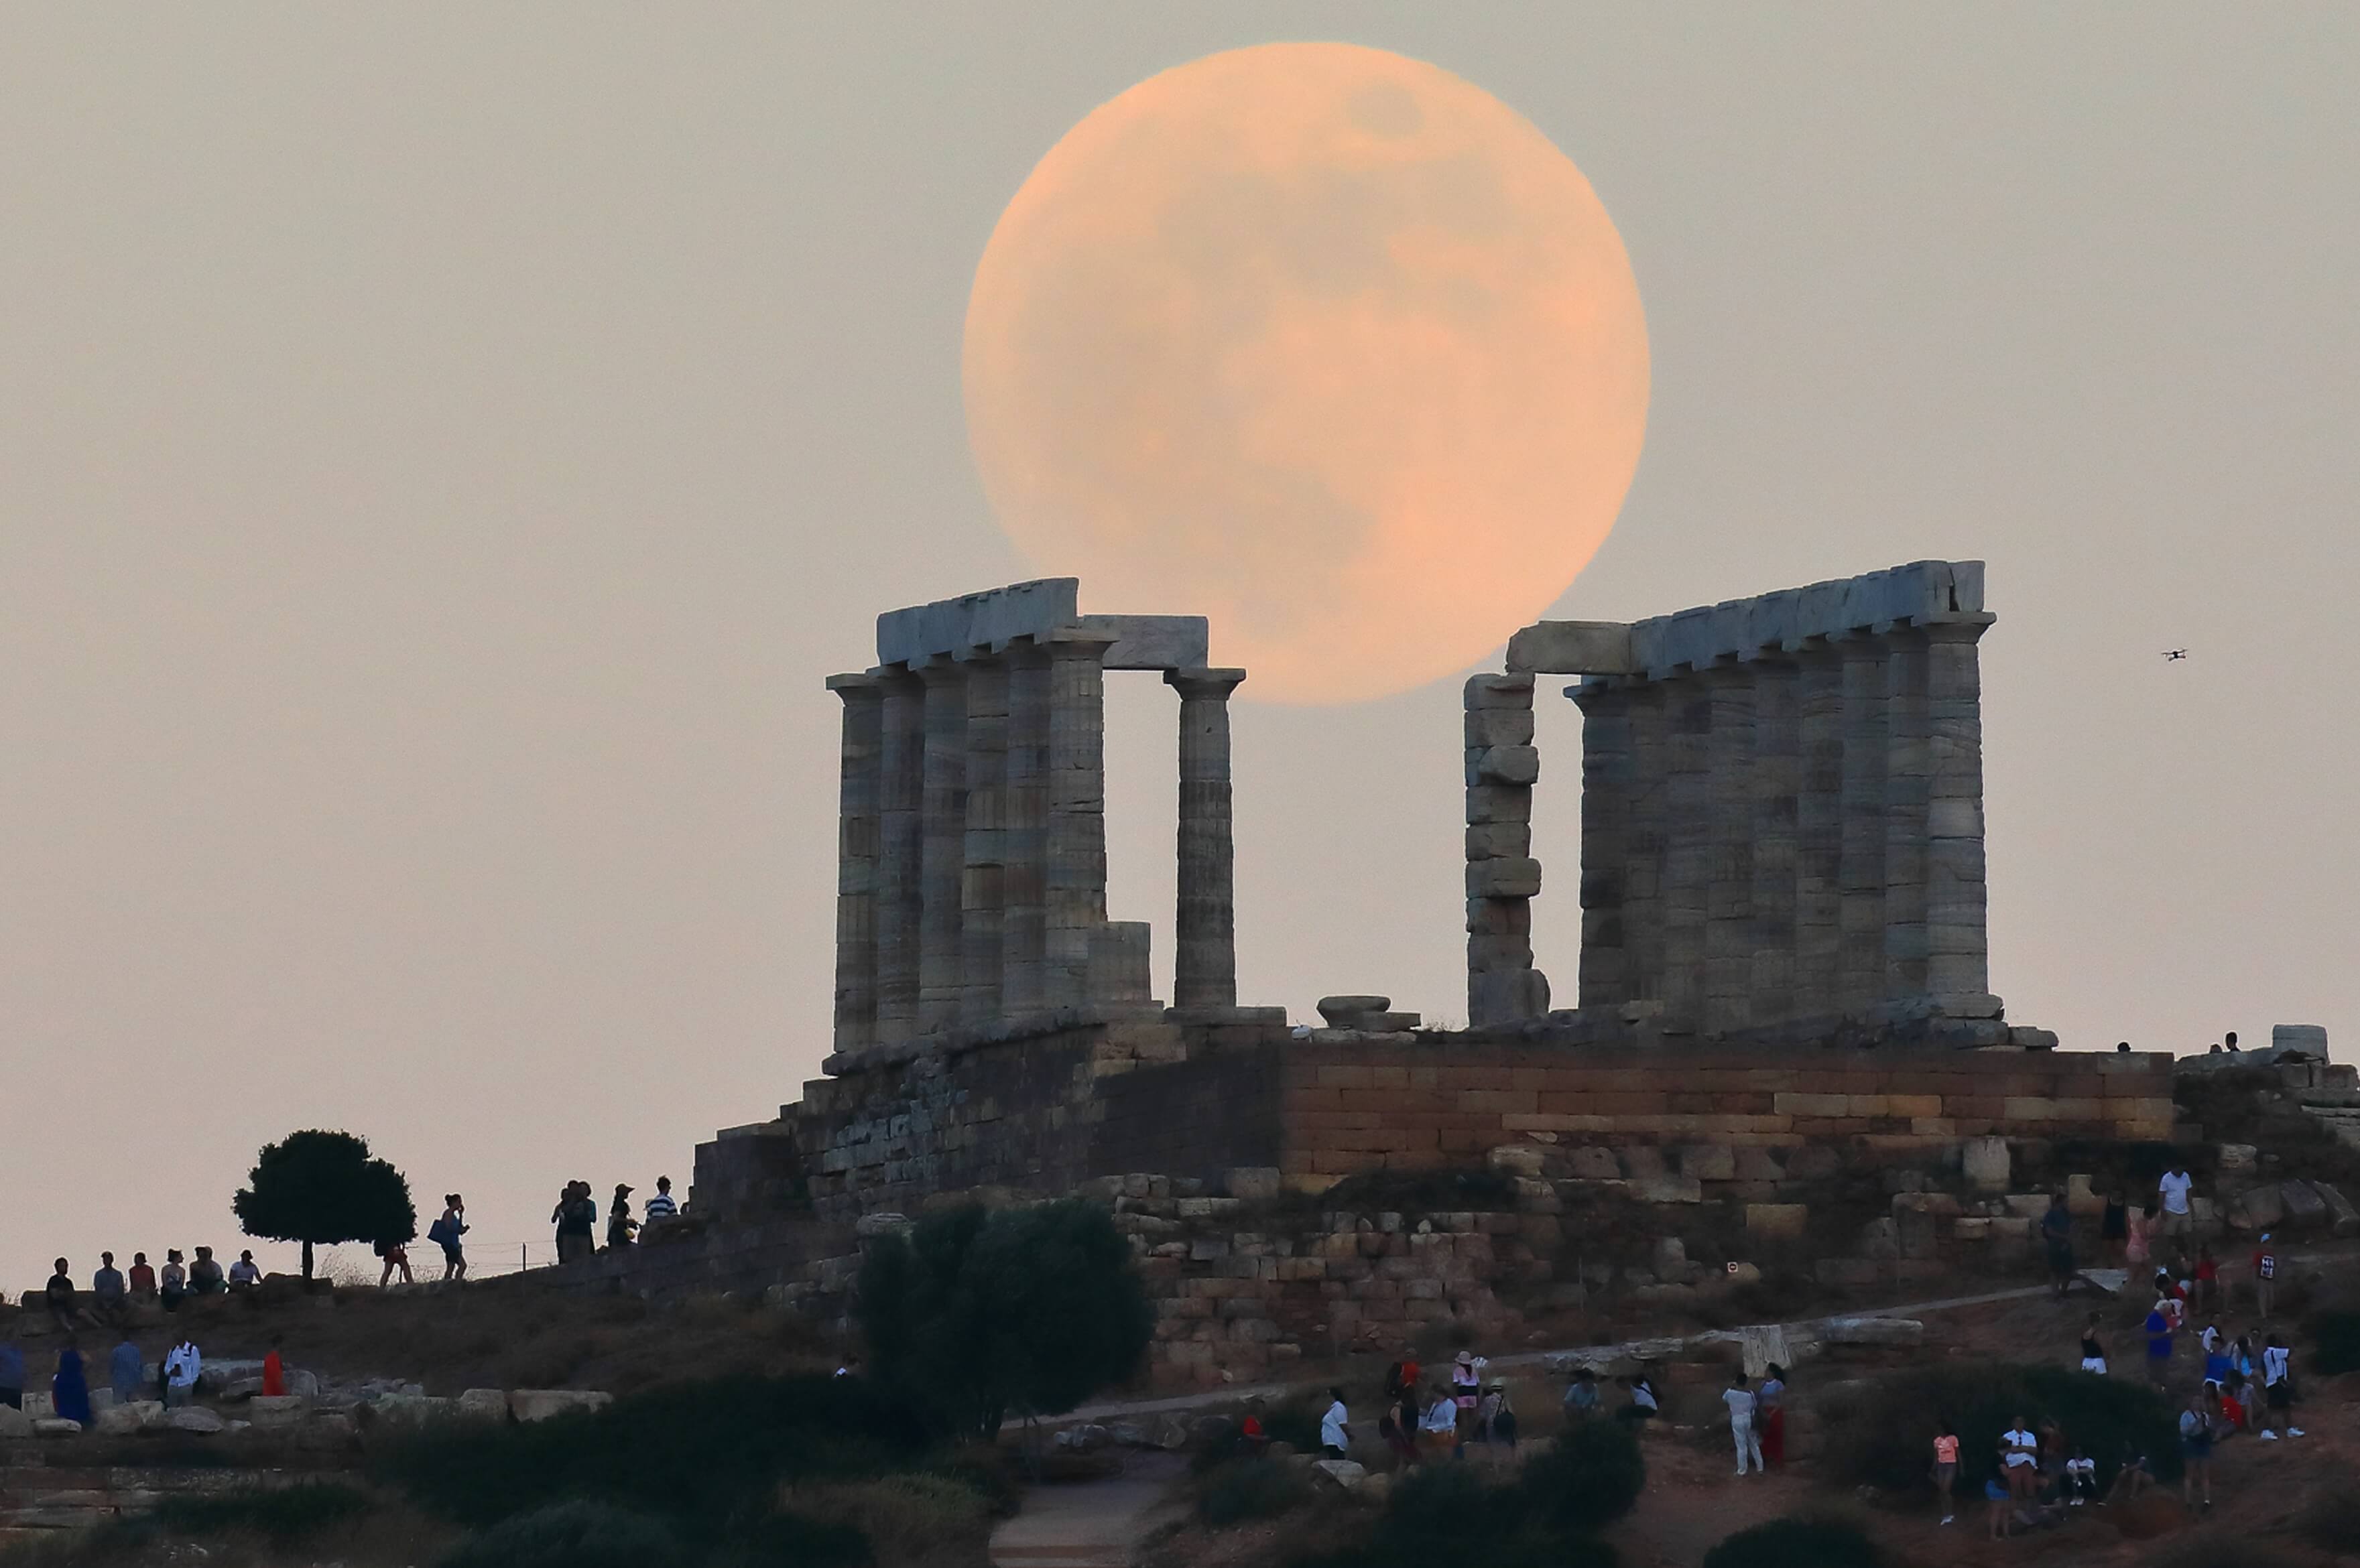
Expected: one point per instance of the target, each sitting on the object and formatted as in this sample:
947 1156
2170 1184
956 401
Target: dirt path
1088 1524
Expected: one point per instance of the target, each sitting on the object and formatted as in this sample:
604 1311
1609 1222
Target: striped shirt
662 1207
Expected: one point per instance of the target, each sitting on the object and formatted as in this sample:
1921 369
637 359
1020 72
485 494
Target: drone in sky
2171 654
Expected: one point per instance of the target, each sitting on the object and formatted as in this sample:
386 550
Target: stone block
1251 1183
2304 1040
117 1421
194 1418
1515 1159
1986 1164
2342 1217
1709 1162
1589 1162
1776 1222
2026 1205
1509 878
1873 1331
1498 804
1488 727
482 1404
276 1410
56 1426
15 1422
543 1404
1499 841
2236 1159
1668 1190
1498 691
2257 1209
2304 1207
1518 767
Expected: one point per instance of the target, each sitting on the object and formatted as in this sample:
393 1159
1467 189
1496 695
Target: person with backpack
2278 1390
396 1255
2196 1451
1400 1378
448 1233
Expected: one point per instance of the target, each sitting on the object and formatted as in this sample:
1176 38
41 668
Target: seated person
2081 1477
205 1275
243 1274
1643 1405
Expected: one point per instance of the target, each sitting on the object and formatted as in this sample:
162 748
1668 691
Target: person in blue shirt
70 1389
2158 1341
125 1371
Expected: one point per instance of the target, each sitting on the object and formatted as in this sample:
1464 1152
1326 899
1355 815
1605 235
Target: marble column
900 786
1907 777
1860 971
1818 830
1643 844
1606 780
1729 907
1502 877
941 863
1778 779
1074 893
1687 848
1957 957
860 761
1025 874
981 878
1205 942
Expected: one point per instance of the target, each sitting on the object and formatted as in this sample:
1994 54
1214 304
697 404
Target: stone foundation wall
1346 1109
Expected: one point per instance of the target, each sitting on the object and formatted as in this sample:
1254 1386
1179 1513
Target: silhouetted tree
324 1187
977 1316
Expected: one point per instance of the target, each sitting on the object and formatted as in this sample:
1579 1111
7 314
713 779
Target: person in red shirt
141 1280
2208 1281
274 1371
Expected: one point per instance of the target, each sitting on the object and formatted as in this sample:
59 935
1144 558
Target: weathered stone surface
1709 1162
194 1418
1985 1163
1873 1331
410 1410
117 1421
2256 1208
1509 878
482 1404
57 1426
1343 1472
1513 765
2303 1039
1776 1222
1337 1010
2236 1159
2303 1206
276 1410
542 1404
1251 1183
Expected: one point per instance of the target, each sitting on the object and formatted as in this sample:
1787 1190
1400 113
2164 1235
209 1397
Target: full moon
1321 342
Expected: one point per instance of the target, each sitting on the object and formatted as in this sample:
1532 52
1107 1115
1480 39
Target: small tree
975 1316
324 1187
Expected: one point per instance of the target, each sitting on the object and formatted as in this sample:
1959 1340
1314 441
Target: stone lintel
1573 648
996 616
1153 642
869 680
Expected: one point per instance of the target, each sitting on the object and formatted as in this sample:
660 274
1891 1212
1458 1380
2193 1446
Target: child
2081 1477
2002 1508
1946 1467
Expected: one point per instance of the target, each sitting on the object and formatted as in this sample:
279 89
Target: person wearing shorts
2196 1452
2094 1349
1946 1469
2278 1390
2019 1449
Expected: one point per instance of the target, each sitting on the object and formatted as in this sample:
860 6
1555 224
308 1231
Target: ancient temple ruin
971 853
1781 809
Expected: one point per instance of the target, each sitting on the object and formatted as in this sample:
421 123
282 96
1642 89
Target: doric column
1687 848
1728 909
1860 976
1643 844
1957 957
1777 852
1074 895
859 764
1605 815
900 786
1024 874
1502 877
942 865
1205 947
1818 830
1907 776
981 882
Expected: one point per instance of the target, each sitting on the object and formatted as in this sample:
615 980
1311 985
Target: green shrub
1244 1490
2336 1343
1441 1511
285 1514
1887 1441
706 1455
908 1520
2331 1520
571 1535
1295 1419
1586 1478
1797 1543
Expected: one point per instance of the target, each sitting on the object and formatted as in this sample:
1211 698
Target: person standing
125 1371
1335 1427
2278 1390
1465 1392
1946 1467
2265 1277
2115 1226
2196 1451
453 1229
2094 1349
1400 1378
1740 1402
70 1390
1392 1429
1770 1412
1439 1428
12 1375
2158 1341
620 1225
396 1255
2019 1460
2057 1232
274 1370
182 1367
662 1208
1502 1429
2173 1188
2137 1240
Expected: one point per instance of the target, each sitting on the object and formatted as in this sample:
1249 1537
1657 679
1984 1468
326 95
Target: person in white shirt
2174 1189
2020 1459
244 1272
1439 1426
2277 1390
1334 1429
1740 1401
183 1365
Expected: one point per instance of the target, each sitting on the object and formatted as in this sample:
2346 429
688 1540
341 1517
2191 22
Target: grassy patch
1798 1544
1245 1490
2336 1343
282 1515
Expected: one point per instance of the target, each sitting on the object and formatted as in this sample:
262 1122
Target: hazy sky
441 450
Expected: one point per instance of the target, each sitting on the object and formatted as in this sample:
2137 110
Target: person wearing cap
1466 1393
2265 1276
620 1225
